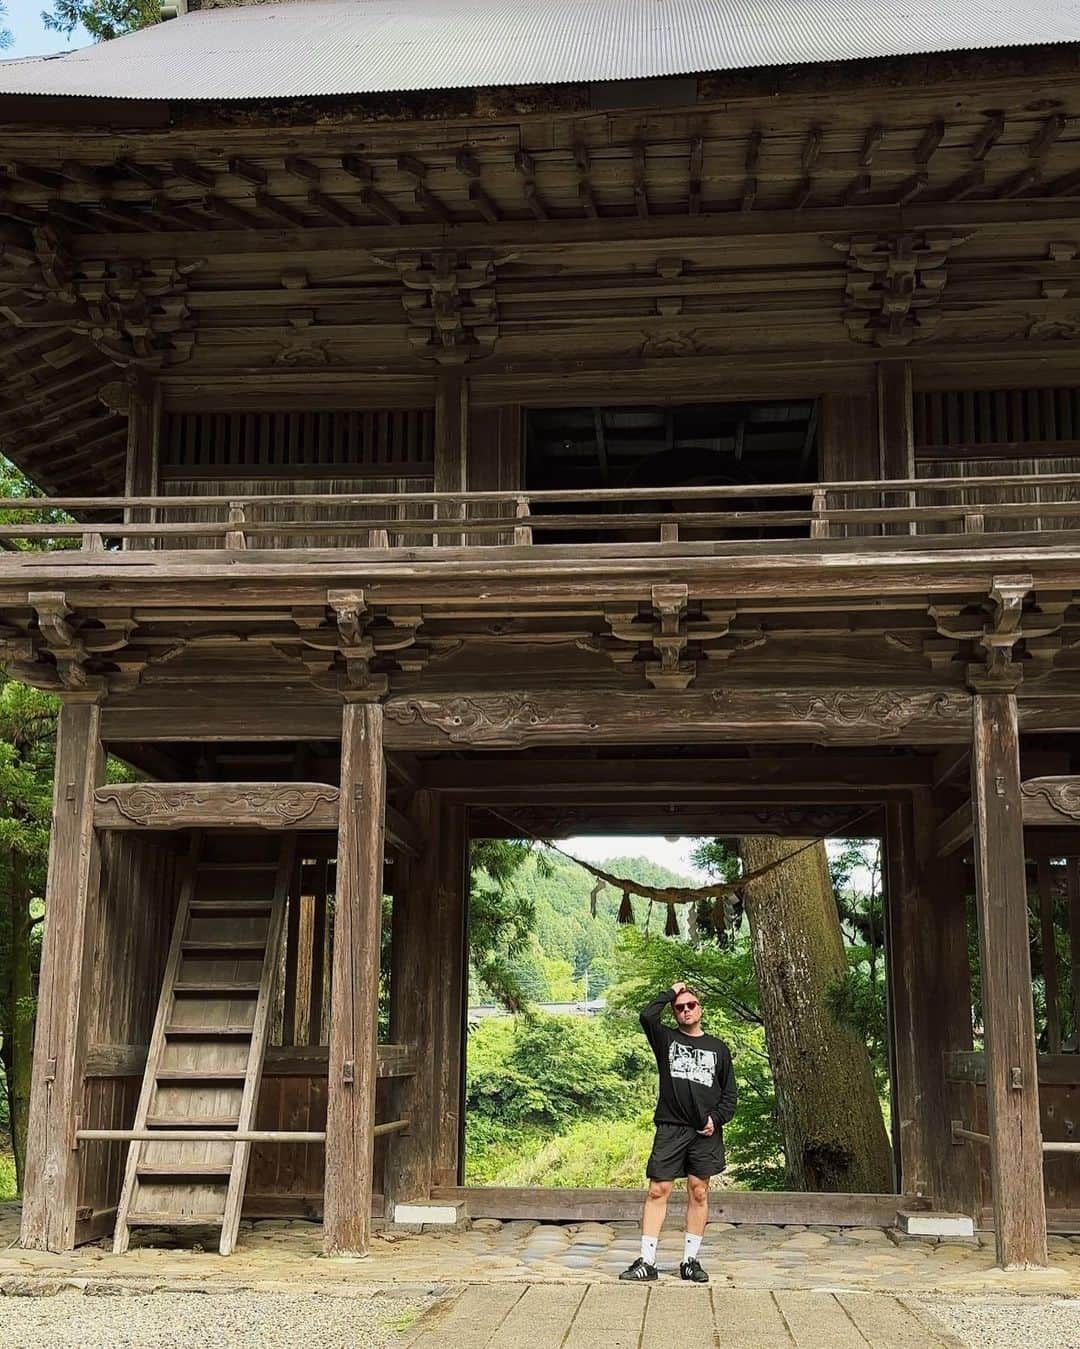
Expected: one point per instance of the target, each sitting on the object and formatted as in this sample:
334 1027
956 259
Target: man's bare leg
652 1220
697 1215
656 1208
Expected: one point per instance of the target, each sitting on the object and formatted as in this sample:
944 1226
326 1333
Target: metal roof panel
307 48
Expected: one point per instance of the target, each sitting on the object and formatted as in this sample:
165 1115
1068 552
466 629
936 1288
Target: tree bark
834 1132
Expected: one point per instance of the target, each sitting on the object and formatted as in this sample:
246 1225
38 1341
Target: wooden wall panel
848 448
240 487
140 882
496 460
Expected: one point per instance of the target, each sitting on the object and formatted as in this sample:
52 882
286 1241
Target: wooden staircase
205 1060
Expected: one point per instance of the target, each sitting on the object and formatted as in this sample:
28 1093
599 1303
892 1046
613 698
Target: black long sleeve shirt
696 1076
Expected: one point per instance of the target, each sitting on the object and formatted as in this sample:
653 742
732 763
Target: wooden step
192 1122
192 1170
200 1075
167 1219
208 990
207 1032
237 947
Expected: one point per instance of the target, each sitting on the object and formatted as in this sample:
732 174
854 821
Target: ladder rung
193 1121
200 1075
174 1220
207 1032
194 1170
227 948
219 990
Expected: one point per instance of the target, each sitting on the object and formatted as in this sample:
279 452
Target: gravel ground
72 1320
1008 1322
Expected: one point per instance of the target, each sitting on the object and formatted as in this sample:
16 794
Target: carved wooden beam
832 716
194 805
1051 801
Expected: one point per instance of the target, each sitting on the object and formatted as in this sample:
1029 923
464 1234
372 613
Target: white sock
648 1249
691 1246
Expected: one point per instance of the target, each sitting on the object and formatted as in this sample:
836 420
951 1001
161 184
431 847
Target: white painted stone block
441 1215
923 1223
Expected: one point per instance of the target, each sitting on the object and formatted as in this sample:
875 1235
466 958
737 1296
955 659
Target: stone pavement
663 1315
282 1254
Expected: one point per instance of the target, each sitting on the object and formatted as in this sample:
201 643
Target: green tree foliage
102 19
6 38
27 743
723 977
546 1085
531 918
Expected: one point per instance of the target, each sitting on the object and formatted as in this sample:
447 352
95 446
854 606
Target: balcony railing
776 511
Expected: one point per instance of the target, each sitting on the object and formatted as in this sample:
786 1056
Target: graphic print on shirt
692 1065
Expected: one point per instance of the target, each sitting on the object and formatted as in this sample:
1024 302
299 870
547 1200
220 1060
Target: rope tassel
626 909
671 926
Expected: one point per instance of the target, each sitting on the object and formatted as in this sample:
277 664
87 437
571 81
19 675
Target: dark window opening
696 445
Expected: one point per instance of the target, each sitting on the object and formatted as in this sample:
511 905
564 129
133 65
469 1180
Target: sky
31 36
673 854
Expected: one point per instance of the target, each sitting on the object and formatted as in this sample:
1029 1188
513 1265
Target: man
697 1098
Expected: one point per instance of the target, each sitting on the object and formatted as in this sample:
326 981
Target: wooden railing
525 519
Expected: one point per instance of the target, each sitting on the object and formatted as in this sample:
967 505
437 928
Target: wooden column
141 476
1012 1089
929 1004
414 988
451 444
896 437
450 1003
354 993
71 905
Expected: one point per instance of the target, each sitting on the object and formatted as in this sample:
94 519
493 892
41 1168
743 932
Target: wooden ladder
205 1060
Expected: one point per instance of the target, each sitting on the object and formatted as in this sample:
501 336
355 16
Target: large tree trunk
834 1133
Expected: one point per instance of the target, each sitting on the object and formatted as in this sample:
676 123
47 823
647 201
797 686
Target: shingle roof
305 48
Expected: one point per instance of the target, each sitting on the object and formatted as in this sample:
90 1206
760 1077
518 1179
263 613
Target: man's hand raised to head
676 989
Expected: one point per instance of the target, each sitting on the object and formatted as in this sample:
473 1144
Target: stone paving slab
816 1319
531 1316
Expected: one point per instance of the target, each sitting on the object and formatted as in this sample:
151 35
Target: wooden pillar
71 904
451 445
451 994
354 992
896 437
141 474
414 985
1012 1089
929 1004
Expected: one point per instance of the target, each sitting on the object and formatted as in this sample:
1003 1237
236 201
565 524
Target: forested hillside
566 942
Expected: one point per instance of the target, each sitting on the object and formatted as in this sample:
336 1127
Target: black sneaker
691 1269
641 1272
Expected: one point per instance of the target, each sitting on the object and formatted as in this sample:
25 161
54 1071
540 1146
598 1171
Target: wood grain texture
200 805
1008 1016
355 983
414 984
51 1186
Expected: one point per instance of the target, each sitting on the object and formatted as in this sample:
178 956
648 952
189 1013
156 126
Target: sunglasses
685 1006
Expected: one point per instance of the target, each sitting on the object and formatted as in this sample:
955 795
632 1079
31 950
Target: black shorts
679 1151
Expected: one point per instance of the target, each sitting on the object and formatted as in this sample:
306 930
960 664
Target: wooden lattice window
364 444
997 423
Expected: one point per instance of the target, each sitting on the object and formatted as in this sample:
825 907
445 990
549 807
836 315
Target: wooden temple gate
693 453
